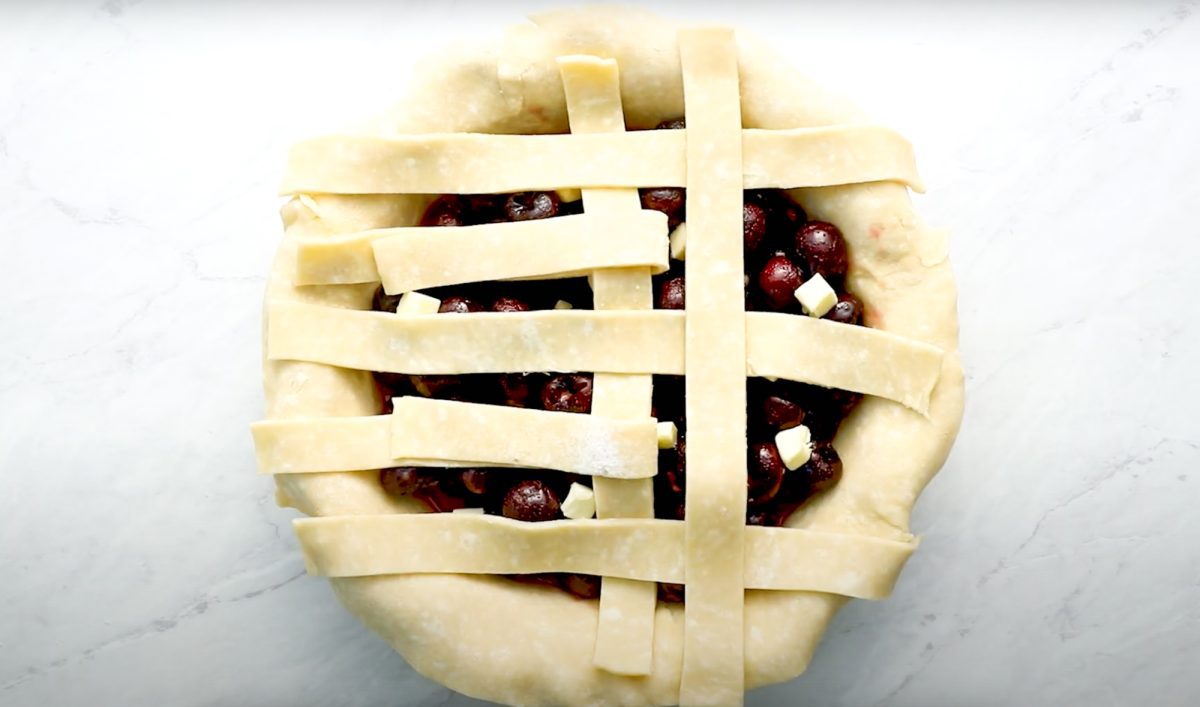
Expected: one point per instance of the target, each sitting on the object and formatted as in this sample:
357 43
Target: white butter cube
417 303
568 195
563 304
668 435
679 242
816 296
795 446
469 511
580 503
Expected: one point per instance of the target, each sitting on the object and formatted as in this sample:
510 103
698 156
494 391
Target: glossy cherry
531 500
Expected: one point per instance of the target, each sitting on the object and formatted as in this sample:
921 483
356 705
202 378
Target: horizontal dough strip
642 549
318 444
415 258
584 444
818 351
423 432
511 342
470 163
845 356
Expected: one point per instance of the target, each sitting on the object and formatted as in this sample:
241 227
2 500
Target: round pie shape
522 644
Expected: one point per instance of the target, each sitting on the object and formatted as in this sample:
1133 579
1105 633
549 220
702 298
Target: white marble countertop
143 559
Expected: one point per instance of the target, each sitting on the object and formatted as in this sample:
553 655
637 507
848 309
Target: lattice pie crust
487 119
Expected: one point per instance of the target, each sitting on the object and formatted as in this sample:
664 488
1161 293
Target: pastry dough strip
860 359
625 627
476 163
715 349
414 258
423 432
446 430
643 549
491 342
834 355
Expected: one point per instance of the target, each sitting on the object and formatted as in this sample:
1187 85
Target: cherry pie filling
782 248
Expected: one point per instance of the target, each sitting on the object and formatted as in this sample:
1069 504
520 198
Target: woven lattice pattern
714 342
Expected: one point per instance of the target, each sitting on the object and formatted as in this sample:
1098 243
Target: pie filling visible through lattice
781 249
560 344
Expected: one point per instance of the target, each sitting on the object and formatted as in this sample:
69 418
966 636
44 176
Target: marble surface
144 562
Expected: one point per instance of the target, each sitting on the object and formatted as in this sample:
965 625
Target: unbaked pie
627 312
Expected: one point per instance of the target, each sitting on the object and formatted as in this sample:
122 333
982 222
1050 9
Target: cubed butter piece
816 296
563 304
679 242
568 195
668 435
469 511
795 446
580 503
417 303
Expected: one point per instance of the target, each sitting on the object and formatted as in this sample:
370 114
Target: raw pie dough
715 387
870 361
473 632
424 432
625 637
359 546
415 258
465 164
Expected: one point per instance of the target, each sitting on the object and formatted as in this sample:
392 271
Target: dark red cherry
671 293
823 469
520 389
509 304
531 205
476 481
821 246
754 226
459 305
532 501
568 392
766 472
671 201
405 480
848 310
781 413
672 124
446 210
778 281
